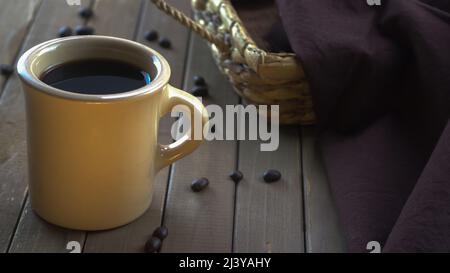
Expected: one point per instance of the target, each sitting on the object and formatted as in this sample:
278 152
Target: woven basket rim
237 21
257 75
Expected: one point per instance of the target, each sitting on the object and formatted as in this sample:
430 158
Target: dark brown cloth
380 77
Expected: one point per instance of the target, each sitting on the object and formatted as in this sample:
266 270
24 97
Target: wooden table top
296 214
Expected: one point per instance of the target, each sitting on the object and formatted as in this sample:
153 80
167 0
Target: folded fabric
380 78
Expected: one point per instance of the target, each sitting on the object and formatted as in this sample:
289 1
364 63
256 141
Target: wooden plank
32 235
35 235
15 18
203 222
117 18
269 217
132 237
51 238
323 230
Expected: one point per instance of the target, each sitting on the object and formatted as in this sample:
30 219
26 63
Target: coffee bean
271 176
84 30
65 31
85 12
151 35
199 80
161 233
199 91
236 176
199 184
153 245
6 69
165 43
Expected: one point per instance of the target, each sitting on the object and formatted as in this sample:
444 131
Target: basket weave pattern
258 76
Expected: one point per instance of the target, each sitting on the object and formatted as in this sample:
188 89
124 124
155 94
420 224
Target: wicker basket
258 76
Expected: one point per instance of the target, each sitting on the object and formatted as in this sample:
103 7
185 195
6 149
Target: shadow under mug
93 158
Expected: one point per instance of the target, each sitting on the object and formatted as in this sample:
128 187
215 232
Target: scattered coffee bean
271 176
6 69
65 31
151 35
236 176
199 184
85 12
199 91
199 80
165 43
84 30
153 245
161 233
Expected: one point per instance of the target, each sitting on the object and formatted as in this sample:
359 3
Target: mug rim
26 74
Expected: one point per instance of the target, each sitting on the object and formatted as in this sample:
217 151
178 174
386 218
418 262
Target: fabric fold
380 79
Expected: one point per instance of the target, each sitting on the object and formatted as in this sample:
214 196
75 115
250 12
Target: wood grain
117 18
50 238
32 235
16 17
35 235
323 230
203 222
269 217
260 217
132 237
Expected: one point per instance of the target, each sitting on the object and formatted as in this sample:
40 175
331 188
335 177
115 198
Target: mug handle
167 154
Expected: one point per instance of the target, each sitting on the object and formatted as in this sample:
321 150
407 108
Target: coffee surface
96 76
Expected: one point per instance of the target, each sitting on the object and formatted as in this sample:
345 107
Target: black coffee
96 76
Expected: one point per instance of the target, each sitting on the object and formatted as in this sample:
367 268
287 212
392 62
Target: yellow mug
93 158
